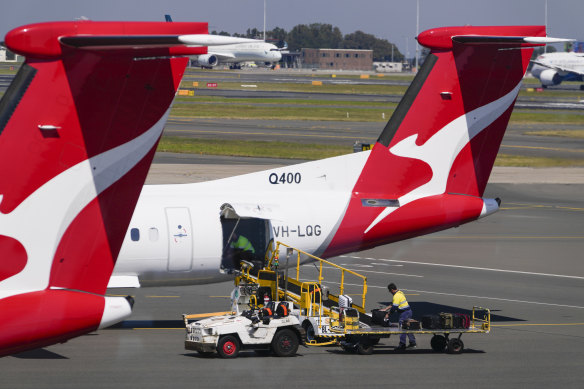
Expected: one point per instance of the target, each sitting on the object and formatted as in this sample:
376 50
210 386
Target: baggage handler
400 304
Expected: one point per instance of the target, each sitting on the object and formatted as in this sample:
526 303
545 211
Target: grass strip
524 161
552 117
233 111
240 148
574 134
247 101
307 87
304 151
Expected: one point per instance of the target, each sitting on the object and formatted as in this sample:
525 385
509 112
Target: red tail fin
78 129
442 139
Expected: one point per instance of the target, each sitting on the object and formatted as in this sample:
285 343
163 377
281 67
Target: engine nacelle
550 77
207 60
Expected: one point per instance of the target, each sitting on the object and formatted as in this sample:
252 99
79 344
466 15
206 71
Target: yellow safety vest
242 243
399 301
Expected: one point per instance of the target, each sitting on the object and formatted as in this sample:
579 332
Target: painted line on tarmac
537 324
476 268
162 297
376 272
475 297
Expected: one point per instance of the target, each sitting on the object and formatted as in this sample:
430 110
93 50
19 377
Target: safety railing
274 262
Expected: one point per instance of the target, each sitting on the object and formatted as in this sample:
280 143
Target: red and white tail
79 127
429 168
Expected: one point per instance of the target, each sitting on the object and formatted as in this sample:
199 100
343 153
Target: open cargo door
247 235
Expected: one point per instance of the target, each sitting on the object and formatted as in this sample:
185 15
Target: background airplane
245 50
554 68
427 172
263 53
79 126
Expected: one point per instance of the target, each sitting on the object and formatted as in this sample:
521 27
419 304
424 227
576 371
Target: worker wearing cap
400 304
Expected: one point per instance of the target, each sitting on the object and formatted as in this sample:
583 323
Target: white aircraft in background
245 50
553 68
426 173
263 53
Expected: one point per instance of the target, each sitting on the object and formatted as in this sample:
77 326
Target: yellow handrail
321 262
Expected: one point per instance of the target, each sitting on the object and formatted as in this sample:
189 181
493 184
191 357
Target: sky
388 19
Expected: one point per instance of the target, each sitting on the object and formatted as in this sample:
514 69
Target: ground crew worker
400 304
242 243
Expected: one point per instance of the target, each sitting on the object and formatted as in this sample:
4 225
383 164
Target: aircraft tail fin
78 130
443 137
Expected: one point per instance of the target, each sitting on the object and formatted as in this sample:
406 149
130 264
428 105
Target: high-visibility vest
242 243
399 301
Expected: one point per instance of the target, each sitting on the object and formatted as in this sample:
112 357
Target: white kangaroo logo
40 221
442 149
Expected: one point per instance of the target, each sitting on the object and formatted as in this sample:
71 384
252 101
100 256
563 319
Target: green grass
251 148
523 161
246 101
574 134
306 87
232 111
551 117
316 151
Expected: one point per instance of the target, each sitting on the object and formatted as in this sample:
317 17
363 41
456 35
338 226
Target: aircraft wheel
228 346
455 346
438 343
285 343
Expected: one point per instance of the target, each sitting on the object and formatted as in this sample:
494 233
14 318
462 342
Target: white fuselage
180 235
567 61
243 52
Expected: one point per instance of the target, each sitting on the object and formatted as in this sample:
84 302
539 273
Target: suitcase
456 321
446 321
431 322
463 320
378 317
413 324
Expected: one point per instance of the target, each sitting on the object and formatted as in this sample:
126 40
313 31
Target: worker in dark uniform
400 304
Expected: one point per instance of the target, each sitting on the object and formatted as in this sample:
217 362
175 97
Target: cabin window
135 234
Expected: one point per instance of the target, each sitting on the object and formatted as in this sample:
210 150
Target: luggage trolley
363 339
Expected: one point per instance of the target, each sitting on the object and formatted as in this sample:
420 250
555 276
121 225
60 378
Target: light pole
418 29
264 20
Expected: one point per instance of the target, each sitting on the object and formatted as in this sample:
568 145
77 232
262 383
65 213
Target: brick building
337 59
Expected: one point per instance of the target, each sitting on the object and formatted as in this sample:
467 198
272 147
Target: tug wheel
285 343
228 346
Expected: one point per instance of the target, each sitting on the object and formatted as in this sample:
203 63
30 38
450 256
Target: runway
524 263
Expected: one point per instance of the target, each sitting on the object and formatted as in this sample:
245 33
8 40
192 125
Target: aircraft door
180 239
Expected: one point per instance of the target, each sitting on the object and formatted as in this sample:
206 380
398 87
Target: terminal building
337 59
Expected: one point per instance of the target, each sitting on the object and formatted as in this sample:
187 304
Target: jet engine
550 77
208 60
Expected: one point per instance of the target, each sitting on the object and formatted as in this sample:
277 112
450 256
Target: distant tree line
325 36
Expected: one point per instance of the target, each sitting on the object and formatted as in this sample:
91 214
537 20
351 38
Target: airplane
245 50
554 68
79 126
427 172
264 53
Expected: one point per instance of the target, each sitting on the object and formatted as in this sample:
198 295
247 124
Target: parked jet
554 68
243 50
427 172
78 129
